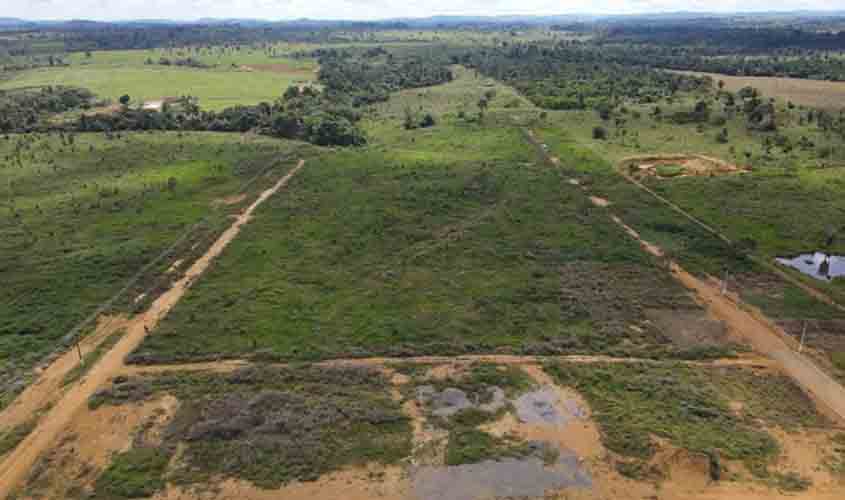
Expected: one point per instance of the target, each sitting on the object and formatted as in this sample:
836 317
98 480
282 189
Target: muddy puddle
818 265
506 478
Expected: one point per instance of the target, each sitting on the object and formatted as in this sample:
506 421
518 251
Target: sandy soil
230 200
599 202
89 443
49 382
18 463
693 165
355 484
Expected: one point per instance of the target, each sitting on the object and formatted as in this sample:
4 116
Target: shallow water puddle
541 407
504 478
818 265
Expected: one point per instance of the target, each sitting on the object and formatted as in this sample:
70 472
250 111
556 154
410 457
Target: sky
375 9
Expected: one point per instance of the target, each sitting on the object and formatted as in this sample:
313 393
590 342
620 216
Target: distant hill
15 23
430 22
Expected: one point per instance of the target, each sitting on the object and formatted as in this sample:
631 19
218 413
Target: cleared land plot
81 219
445 240
814 93
445 431
238 78
705 426
450 240
779 197
268 426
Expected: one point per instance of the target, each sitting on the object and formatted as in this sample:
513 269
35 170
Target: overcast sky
374 9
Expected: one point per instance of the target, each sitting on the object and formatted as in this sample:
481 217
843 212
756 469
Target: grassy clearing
770 398
234 77
471 446
79 220
632 403
692 246
216 89
266 425
445 240
136 473
449 241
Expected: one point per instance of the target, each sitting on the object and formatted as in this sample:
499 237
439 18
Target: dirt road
818 294
16 466
49 382
763 335
752 361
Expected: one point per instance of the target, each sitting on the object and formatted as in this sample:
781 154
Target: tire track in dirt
513 360
17 464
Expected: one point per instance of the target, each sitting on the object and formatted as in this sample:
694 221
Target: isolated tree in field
410 122
428 121
124 100
483 103
722 137
599 133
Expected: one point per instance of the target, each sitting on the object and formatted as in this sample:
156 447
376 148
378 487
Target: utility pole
79 351
803 336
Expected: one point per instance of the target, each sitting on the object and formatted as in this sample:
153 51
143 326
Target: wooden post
803 335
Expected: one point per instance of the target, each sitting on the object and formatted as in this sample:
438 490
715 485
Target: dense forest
23 110
575 76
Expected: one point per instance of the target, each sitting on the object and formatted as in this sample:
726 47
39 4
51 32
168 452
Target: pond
818 265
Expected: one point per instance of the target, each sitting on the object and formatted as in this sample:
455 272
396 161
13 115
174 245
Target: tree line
327 117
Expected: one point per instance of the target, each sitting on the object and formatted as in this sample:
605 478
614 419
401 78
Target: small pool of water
818 265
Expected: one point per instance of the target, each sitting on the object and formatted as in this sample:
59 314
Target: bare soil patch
230 200
673 166
689 328
52 375
363 483
70 469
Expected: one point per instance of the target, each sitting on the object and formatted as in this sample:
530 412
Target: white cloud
374 9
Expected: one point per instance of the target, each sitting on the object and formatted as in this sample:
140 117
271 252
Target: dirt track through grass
503 360
752 326
17 464
823 297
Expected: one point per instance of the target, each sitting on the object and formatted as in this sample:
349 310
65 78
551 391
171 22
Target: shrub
599 133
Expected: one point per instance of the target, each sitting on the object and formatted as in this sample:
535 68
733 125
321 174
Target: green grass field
784 206
79 220
236 78
443 240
